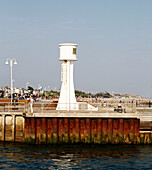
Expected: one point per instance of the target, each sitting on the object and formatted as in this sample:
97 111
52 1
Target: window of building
74 51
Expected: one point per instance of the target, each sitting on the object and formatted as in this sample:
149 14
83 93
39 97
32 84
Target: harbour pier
55 127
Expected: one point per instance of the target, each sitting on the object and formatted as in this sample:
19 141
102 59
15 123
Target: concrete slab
84 115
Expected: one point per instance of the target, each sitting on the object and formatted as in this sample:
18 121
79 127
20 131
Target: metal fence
14 107
47 106
41 107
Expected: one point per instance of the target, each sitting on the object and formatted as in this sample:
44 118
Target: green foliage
87 95
81 93
30 88
53 93
99 94
117 95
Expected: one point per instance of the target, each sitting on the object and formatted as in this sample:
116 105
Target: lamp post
11 62
13 85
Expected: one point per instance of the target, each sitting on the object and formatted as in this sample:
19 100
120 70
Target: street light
13 85
11 61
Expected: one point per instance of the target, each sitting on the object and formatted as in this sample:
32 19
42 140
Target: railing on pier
47 106
13 107
41 107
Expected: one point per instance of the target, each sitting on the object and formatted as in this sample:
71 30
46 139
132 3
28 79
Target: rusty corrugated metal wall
82 130
16 128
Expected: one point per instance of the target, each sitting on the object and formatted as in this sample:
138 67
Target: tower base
67 106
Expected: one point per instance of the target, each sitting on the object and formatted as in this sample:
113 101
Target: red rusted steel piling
97 130
121 130
104 139
68 127
38 130
110 131
77 130
49 130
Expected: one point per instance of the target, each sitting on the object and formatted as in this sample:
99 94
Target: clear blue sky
114 40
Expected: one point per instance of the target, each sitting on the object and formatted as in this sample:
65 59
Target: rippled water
23 156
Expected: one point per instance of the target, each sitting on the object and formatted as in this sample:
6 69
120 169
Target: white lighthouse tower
67 100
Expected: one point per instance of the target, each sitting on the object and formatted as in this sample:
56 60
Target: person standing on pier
31 103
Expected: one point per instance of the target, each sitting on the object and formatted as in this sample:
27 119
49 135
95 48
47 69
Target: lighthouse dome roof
68 44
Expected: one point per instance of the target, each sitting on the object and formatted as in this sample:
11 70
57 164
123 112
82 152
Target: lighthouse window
74 50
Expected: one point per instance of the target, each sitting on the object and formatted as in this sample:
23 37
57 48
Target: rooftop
68 44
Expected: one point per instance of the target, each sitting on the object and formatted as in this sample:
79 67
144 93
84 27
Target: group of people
29 98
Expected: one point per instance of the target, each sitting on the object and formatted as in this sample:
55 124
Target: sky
114 40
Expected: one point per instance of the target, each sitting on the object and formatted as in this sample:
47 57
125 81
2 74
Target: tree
30 88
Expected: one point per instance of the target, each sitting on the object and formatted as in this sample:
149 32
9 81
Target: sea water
22 156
